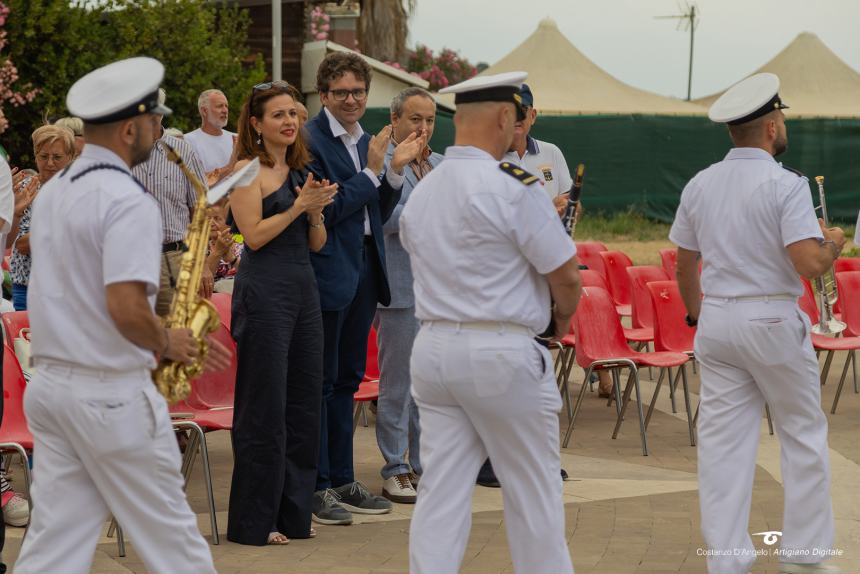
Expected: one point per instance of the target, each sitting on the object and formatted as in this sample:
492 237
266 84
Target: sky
732 38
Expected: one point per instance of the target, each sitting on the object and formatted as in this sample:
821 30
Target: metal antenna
688 20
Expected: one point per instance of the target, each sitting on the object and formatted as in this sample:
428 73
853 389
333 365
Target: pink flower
321 36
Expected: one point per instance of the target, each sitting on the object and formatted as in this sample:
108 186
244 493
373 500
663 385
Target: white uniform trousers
752 352
104 445
485 393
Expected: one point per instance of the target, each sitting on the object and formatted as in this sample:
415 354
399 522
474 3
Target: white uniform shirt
546 161
214 151
100 229
480 242
7 200
350 140
741 214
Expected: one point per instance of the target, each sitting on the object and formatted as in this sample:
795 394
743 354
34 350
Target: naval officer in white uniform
753 223
103 439
486 251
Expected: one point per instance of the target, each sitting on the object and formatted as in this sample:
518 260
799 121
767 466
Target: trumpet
825 285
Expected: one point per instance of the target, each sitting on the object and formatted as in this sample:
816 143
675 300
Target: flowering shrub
443 70
9 75
319 24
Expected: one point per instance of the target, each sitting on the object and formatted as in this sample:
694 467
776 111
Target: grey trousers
397 427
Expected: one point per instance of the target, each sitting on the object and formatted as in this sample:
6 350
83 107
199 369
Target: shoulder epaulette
108 166
518 173
792 170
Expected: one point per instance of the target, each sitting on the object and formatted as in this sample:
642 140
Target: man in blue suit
397 428
350 268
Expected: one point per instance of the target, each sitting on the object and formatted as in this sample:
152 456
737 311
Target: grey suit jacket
396 258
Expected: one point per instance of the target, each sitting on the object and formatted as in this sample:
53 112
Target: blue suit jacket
397 259
338 263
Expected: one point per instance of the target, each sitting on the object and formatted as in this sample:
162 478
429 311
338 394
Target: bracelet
317 225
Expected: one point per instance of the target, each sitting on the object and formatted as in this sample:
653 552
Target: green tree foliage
54 42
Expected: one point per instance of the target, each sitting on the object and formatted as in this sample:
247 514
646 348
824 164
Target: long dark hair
298 156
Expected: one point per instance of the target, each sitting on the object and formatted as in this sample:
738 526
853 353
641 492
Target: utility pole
277 40
688 19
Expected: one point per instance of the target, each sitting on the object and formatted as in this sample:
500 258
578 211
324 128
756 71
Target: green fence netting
643 162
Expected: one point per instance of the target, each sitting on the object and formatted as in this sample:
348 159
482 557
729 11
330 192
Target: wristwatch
690 321
320 224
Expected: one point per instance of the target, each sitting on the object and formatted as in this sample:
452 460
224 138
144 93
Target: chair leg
120 539
202 449
854 370
672 390
826 370
363 407
576 408
841 383
616 391
356 417
769 418
634 379
625 399
654 397
687 405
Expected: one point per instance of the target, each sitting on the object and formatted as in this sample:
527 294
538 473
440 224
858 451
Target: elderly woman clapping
54 148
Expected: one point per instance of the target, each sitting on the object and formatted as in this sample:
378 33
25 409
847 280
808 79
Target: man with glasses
350 269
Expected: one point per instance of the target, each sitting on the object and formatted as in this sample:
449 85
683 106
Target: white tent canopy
565 82
814 81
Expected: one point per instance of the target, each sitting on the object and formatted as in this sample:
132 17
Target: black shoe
564 475
355 497
327 510
487 476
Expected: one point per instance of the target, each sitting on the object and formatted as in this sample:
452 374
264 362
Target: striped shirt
166 182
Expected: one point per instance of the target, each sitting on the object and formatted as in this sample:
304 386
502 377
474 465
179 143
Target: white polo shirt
480 243
546 161
99 229
741 214
214 151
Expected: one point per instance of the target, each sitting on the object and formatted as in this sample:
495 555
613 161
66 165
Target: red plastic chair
600 344
592 278
587 254
368 389
831 345
641 310
671 333
848 285
15 436
13 322
669 261
224 303
616 264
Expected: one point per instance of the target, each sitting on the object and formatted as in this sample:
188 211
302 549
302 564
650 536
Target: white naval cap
503 87
118 91
747 100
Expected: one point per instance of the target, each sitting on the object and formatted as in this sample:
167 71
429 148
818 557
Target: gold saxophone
188 310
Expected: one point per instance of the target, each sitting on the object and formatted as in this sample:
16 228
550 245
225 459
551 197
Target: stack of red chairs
601 344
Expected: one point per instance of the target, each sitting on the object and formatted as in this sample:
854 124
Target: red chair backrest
13 322
616 264
847 264
587 253
371 368
642 311
216 389
669 260
807 301
848 284
592 278
599 334
14 384
671 332
224 303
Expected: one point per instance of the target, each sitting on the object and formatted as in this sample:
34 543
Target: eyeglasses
46 157
358 94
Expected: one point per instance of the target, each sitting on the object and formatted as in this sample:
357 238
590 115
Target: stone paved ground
625 513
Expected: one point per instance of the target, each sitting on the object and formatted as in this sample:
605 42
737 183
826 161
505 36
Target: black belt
173 246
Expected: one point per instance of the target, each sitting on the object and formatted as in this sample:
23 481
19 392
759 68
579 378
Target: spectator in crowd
277 325
350 269
77 127
176 199
54 148
413 111
7 205
211 142
224 251
303 113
